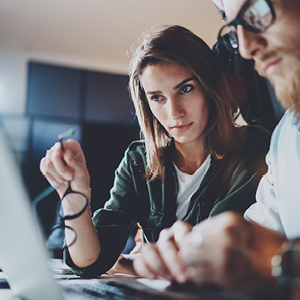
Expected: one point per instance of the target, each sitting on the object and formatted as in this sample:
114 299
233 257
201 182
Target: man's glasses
255 16
76 200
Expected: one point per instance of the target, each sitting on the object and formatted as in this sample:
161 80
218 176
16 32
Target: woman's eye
156 98
186 89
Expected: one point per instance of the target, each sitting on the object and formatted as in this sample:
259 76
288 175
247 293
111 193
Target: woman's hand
123 265
161 260
59 167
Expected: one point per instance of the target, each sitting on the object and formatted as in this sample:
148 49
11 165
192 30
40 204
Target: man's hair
176 44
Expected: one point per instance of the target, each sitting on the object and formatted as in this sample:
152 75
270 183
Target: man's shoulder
286 132
289 122
289 119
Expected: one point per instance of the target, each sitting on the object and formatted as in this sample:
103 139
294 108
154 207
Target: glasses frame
60 224
70 191
240 21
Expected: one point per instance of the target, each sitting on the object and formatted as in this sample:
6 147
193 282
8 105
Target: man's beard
287 90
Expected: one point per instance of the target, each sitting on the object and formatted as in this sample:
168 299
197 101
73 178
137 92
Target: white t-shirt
188 185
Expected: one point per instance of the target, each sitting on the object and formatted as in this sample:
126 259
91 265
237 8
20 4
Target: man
227 250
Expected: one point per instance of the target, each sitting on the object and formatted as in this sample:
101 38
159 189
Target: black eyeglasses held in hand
255 16
78 203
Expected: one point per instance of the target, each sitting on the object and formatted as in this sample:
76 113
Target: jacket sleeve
243 171
114 222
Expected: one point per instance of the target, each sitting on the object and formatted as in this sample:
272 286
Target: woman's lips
181 127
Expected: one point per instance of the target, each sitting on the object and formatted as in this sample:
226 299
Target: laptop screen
23 256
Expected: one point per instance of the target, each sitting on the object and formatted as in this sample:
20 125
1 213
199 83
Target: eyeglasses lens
257 16
229 37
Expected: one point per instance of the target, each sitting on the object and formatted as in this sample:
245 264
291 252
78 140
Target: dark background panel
107 99
53 91
104 146
44 134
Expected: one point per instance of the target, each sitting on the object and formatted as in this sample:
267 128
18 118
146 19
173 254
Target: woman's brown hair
179 45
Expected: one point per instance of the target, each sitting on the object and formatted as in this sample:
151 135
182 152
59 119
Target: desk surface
142 291
137 288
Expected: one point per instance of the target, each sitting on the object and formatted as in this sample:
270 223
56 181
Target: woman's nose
176 109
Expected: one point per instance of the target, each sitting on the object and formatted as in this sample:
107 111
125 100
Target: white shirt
187 186
278 194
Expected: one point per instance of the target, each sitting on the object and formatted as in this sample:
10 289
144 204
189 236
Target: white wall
12 81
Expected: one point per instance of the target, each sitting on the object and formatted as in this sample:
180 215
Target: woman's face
176 100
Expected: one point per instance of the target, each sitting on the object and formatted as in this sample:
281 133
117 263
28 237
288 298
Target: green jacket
229 184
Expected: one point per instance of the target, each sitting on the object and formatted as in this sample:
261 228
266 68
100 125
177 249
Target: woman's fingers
150 264
168 251
60 167
162 259
180 230
49 171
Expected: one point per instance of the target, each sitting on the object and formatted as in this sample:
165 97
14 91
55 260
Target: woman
193 162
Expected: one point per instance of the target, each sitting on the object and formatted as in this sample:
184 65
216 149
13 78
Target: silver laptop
23 257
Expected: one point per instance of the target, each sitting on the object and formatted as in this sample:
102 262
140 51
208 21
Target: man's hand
225 250
234 253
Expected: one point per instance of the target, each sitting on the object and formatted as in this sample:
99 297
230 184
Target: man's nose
250 43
